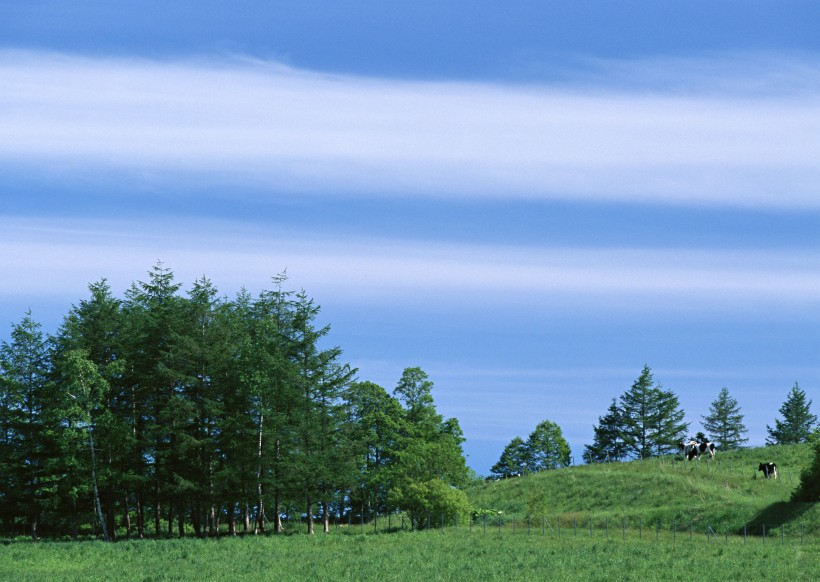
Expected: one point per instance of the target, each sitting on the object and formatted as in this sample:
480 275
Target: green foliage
724 422
513 459
608 440
652 420
809 488
422 499
797 423
546 448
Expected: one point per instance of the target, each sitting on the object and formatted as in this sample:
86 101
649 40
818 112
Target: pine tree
652 420
608 442
725 422
24 377
797 423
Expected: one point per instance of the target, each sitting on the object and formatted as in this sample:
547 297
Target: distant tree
608 441
652 420
798 421
546 448
513 459
725 422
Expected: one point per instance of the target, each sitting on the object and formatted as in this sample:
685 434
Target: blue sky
529 200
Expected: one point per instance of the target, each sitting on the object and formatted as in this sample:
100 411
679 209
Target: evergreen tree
608 442
652 420
797 423
725 422
24 377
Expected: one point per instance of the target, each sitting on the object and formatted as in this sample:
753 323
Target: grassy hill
727 491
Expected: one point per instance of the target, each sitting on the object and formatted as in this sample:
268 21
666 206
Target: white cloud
374 270
286 129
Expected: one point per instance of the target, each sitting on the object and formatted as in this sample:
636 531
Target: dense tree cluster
646 421
545 448
163 412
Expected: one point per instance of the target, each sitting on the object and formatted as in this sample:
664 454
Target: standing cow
769 470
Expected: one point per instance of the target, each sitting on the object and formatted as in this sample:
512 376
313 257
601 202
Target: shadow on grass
777 515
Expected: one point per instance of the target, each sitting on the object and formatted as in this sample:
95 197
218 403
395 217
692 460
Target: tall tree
797 423
725 422
608 441
432 447
653 421
24 376
376 429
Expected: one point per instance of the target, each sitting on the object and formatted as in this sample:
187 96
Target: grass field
431 555
653 520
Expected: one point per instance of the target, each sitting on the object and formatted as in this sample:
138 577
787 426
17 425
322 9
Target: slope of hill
727 491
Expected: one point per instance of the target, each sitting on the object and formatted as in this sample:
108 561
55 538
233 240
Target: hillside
728 492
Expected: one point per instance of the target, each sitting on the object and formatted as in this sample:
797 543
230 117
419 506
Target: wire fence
606 528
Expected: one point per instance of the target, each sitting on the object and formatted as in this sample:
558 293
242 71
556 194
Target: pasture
661 519
430 555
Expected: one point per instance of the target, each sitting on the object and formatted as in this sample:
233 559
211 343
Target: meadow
661 519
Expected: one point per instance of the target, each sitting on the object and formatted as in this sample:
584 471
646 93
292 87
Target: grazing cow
769 469
689 450
704 447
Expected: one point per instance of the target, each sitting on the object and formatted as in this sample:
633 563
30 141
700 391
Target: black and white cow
689 450
769 470
705 447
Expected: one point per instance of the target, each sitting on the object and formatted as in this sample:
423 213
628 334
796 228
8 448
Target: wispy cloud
368 270
261 123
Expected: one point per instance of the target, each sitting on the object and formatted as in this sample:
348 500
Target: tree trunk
97 503
325 517
309 511
277 513
259 525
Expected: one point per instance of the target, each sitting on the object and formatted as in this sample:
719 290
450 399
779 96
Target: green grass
698 508
726 492
433 555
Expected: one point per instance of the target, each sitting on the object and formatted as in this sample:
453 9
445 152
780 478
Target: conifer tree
797 423
608 441
725 422
652 420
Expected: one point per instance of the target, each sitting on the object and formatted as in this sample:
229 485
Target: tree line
165 412
647 421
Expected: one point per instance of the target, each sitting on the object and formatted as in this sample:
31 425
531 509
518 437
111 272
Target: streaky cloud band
608 138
